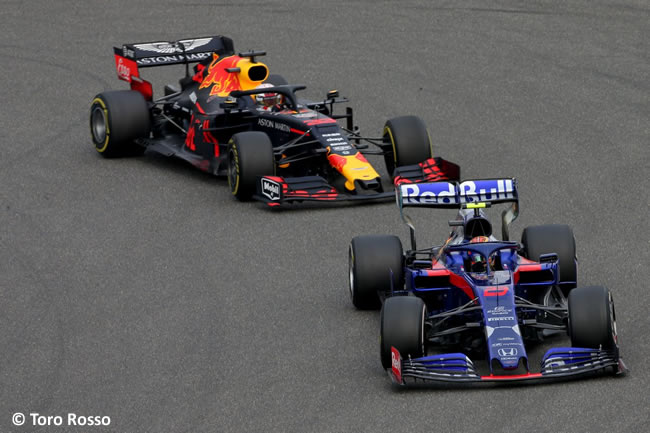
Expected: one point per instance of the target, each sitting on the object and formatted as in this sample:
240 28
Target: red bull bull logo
222 81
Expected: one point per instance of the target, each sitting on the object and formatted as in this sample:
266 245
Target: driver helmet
477 261
267 100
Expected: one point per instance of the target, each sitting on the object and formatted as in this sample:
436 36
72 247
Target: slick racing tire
408 141
402 327
372 259
117 118
553 238
592 319
250 155
276 80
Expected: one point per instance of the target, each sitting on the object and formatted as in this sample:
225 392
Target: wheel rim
98 124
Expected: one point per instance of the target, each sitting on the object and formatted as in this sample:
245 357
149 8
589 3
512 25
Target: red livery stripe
512 377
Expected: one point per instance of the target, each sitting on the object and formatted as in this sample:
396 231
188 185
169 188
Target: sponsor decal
125 68
508 351
467 192
176 58
429 193
273 124
270 189
123 71
486 190
505 318
173 47
506 344
499 310
396 364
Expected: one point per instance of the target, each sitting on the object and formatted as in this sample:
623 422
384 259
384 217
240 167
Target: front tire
592 318
250 155
117 118
372 259
402 327
408 139
553 238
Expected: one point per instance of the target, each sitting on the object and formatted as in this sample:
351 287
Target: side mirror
332 94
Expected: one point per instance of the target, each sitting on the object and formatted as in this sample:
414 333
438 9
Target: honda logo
509 351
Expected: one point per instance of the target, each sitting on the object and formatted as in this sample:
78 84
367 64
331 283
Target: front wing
557 363
275 190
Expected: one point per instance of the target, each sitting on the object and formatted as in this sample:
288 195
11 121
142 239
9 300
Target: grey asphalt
140 290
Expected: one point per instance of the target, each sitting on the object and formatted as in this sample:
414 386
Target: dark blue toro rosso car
476 297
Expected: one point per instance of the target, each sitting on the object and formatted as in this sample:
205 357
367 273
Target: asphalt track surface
139 289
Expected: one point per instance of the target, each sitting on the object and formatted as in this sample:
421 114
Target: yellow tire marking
103 147
392 141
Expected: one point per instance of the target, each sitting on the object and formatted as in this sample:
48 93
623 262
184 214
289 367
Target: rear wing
147 54
469 194
131 57
452 195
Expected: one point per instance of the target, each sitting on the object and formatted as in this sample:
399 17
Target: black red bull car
473 309
230 117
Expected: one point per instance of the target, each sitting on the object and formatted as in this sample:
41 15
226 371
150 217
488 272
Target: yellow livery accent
352 167
251 74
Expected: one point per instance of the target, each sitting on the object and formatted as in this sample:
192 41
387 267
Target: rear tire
592 319
250 155
371 260
117 118
408 139
553 238
402 327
